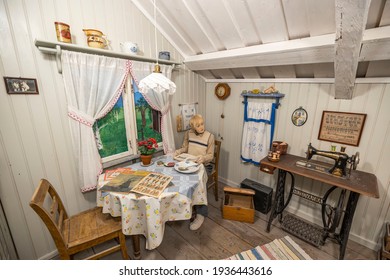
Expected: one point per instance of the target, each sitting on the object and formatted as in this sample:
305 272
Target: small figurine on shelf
271 89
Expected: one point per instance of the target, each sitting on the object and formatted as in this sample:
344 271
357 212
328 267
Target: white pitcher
129 47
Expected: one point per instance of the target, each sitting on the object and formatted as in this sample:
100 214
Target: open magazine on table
123 181
152 184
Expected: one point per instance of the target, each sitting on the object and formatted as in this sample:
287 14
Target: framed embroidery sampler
341 127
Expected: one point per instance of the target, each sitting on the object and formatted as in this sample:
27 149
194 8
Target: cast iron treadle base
302 229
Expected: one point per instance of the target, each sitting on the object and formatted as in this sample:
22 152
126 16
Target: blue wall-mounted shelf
275 95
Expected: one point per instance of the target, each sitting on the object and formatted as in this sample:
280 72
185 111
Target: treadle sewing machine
336 213
341 160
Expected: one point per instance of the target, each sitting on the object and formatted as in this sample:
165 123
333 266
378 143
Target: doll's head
197 124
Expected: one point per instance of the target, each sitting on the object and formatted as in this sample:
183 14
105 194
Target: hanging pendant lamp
156 81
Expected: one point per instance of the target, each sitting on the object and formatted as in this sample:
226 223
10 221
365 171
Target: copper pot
279 146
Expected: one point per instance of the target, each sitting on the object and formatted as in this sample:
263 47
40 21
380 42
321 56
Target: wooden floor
219 238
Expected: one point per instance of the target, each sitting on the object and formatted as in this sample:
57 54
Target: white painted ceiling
252 39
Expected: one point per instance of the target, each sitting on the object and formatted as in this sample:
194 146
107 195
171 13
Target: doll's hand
177 152
199 160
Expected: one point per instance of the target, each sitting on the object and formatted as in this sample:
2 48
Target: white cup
129 47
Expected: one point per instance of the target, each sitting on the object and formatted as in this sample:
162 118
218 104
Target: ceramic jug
97 42
129 47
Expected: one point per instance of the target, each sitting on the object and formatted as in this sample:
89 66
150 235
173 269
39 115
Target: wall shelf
56 48
276 95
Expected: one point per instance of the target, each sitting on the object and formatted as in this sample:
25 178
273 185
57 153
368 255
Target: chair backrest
217 150
49 207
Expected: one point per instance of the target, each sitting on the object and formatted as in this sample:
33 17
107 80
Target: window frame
131 134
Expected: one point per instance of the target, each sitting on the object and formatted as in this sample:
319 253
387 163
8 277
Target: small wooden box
238 205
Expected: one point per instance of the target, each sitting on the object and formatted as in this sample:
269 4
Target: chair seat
73 234
90 226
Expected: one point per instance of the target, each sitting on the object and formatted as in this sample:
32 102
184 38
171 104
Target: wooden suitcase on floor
238 204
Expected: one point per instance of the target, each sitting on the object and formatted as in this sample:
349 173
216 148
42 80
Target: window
115 132
148 120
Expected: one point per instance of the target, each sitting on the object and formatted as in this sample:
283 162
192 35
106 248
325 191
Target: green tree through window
114 131
144 116
110 131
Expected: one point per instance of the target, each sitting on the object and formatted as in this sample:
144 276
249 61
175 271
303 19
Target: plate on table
169 164
184 167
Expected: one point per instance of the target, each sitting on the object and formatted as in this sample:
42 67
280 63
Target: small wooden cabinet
238 204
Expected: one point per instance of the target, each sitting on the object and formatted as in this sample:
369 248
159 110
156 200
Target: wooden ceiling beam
351 19
376 44
300 51
318 49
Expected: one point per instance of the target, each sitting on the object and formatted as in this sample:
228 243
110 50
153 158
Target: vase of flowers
147 148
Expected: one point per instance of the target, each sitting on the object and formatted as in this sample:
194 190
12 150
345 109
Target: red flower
147 147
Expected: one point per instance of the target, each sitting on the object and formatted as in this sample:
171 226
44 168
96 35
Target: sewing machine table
358 183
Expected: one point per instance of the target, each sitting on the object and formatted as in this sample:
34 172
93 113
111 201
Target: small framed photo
299 117
21 85
342 127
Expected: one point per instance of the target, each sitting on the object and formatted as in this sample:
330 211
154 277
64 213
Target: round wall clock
222 91
299 117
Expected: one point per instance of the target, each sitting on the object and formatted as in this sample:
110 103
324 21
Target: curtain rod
56 48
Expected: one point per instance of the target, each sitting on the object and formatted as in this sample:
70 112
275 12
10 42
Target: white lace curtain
93 85
158 91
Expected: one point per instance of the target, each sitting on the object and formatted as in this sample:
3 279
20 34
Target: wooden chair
81 231
213 175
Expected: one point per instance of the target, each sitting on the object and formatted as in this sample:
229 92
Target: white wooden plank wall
374 148
34 135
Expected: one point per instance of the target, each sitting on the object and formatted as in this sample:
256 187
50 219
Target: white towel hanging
255 143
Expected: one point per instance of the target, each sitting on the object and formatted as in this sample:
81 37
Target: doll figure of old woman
199 143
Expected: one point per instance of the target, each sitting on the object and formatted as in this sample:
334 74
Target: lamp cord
155 29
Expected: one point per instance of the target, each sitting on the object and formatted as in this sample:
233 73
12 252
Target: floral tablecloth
146 215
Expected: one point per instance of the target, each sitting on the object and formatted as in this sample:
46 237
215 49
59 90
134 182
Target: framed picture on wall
341 127
299 117
21 85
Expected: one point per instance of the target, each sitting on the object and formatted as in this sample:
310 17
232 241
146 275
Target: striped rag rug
280 249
